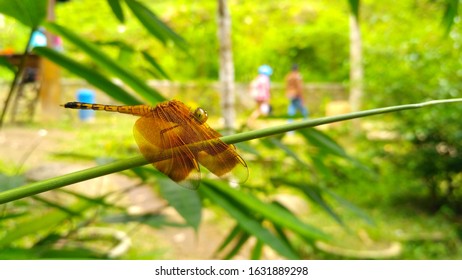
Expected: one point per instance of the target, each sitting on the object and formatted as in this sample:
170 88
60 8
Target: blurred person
294 92
261 93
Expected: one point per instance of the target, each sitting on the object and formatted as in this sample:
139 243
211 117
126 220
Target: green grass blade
324 142
257 251
5 63
186 202
117 9
36 223
155 65
154 25
89 74
232 234
107 63
314 194
29 12
269 211
241 240
249 224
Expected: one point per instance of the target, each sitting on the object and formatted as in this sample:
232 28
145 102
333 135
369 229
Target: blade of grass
232 234
103 60
89 74
154 25
154 64
43 222
270 212
186 202
28 12
241 240
94 172
117 9
249 224
257 251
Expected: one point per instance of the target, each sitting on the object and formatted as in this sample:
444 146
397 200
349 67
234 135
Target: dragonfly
177 140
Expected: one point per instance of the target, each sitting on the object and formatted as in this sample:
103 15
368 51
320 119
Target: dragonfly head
200 115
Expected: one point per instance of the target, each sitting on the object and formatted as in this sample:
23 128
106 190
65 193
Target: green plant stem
79 176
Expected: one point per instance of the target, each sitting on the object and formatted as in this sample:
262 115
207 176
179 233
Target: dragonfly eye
200 115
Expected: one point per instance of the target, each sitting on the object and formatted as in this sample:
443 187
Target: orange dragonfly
175 140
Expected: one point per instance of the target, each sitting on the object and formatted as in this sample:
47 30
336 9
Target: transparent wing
160 143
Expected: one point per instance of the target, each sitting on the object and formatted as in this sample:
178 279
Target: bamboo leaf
450 13
257 251
104 61
154 25
232 234
89 74
249 224
154 64
354 7
277 143
351 207
29 12
39 222
241 240
186 202
323 141
314 194
117 9
5 63
269 211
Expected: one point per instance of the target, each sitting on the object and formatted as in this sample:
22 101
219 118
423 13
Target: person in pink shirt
260 90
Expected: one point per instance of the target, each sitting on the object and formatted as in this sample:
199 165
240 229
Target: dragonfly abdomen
138 110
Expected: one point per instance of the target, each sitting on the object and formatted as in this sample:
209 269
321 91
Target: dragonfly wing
160 142
222 159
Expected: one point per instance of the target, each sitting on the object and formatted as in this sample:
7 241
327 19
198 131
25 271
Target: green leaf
257 251
5 63
154 25
104 61
117 9
186 202
242 238
248 224
152 220
11 182
89 74
354 7
314 194
42 222
323 141
277 143
450 13
154 64
269 211
351 207
232 234
29 12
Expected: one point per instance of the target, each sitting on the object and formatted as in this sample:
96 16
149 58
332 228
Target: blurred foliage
270 222
407 59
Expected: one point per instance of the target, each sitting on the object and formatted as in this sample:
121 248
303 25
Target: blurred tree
356 61
226 72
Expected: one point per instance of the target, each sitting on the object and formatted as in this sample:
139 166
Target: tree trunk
226 66
356 66
50 73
